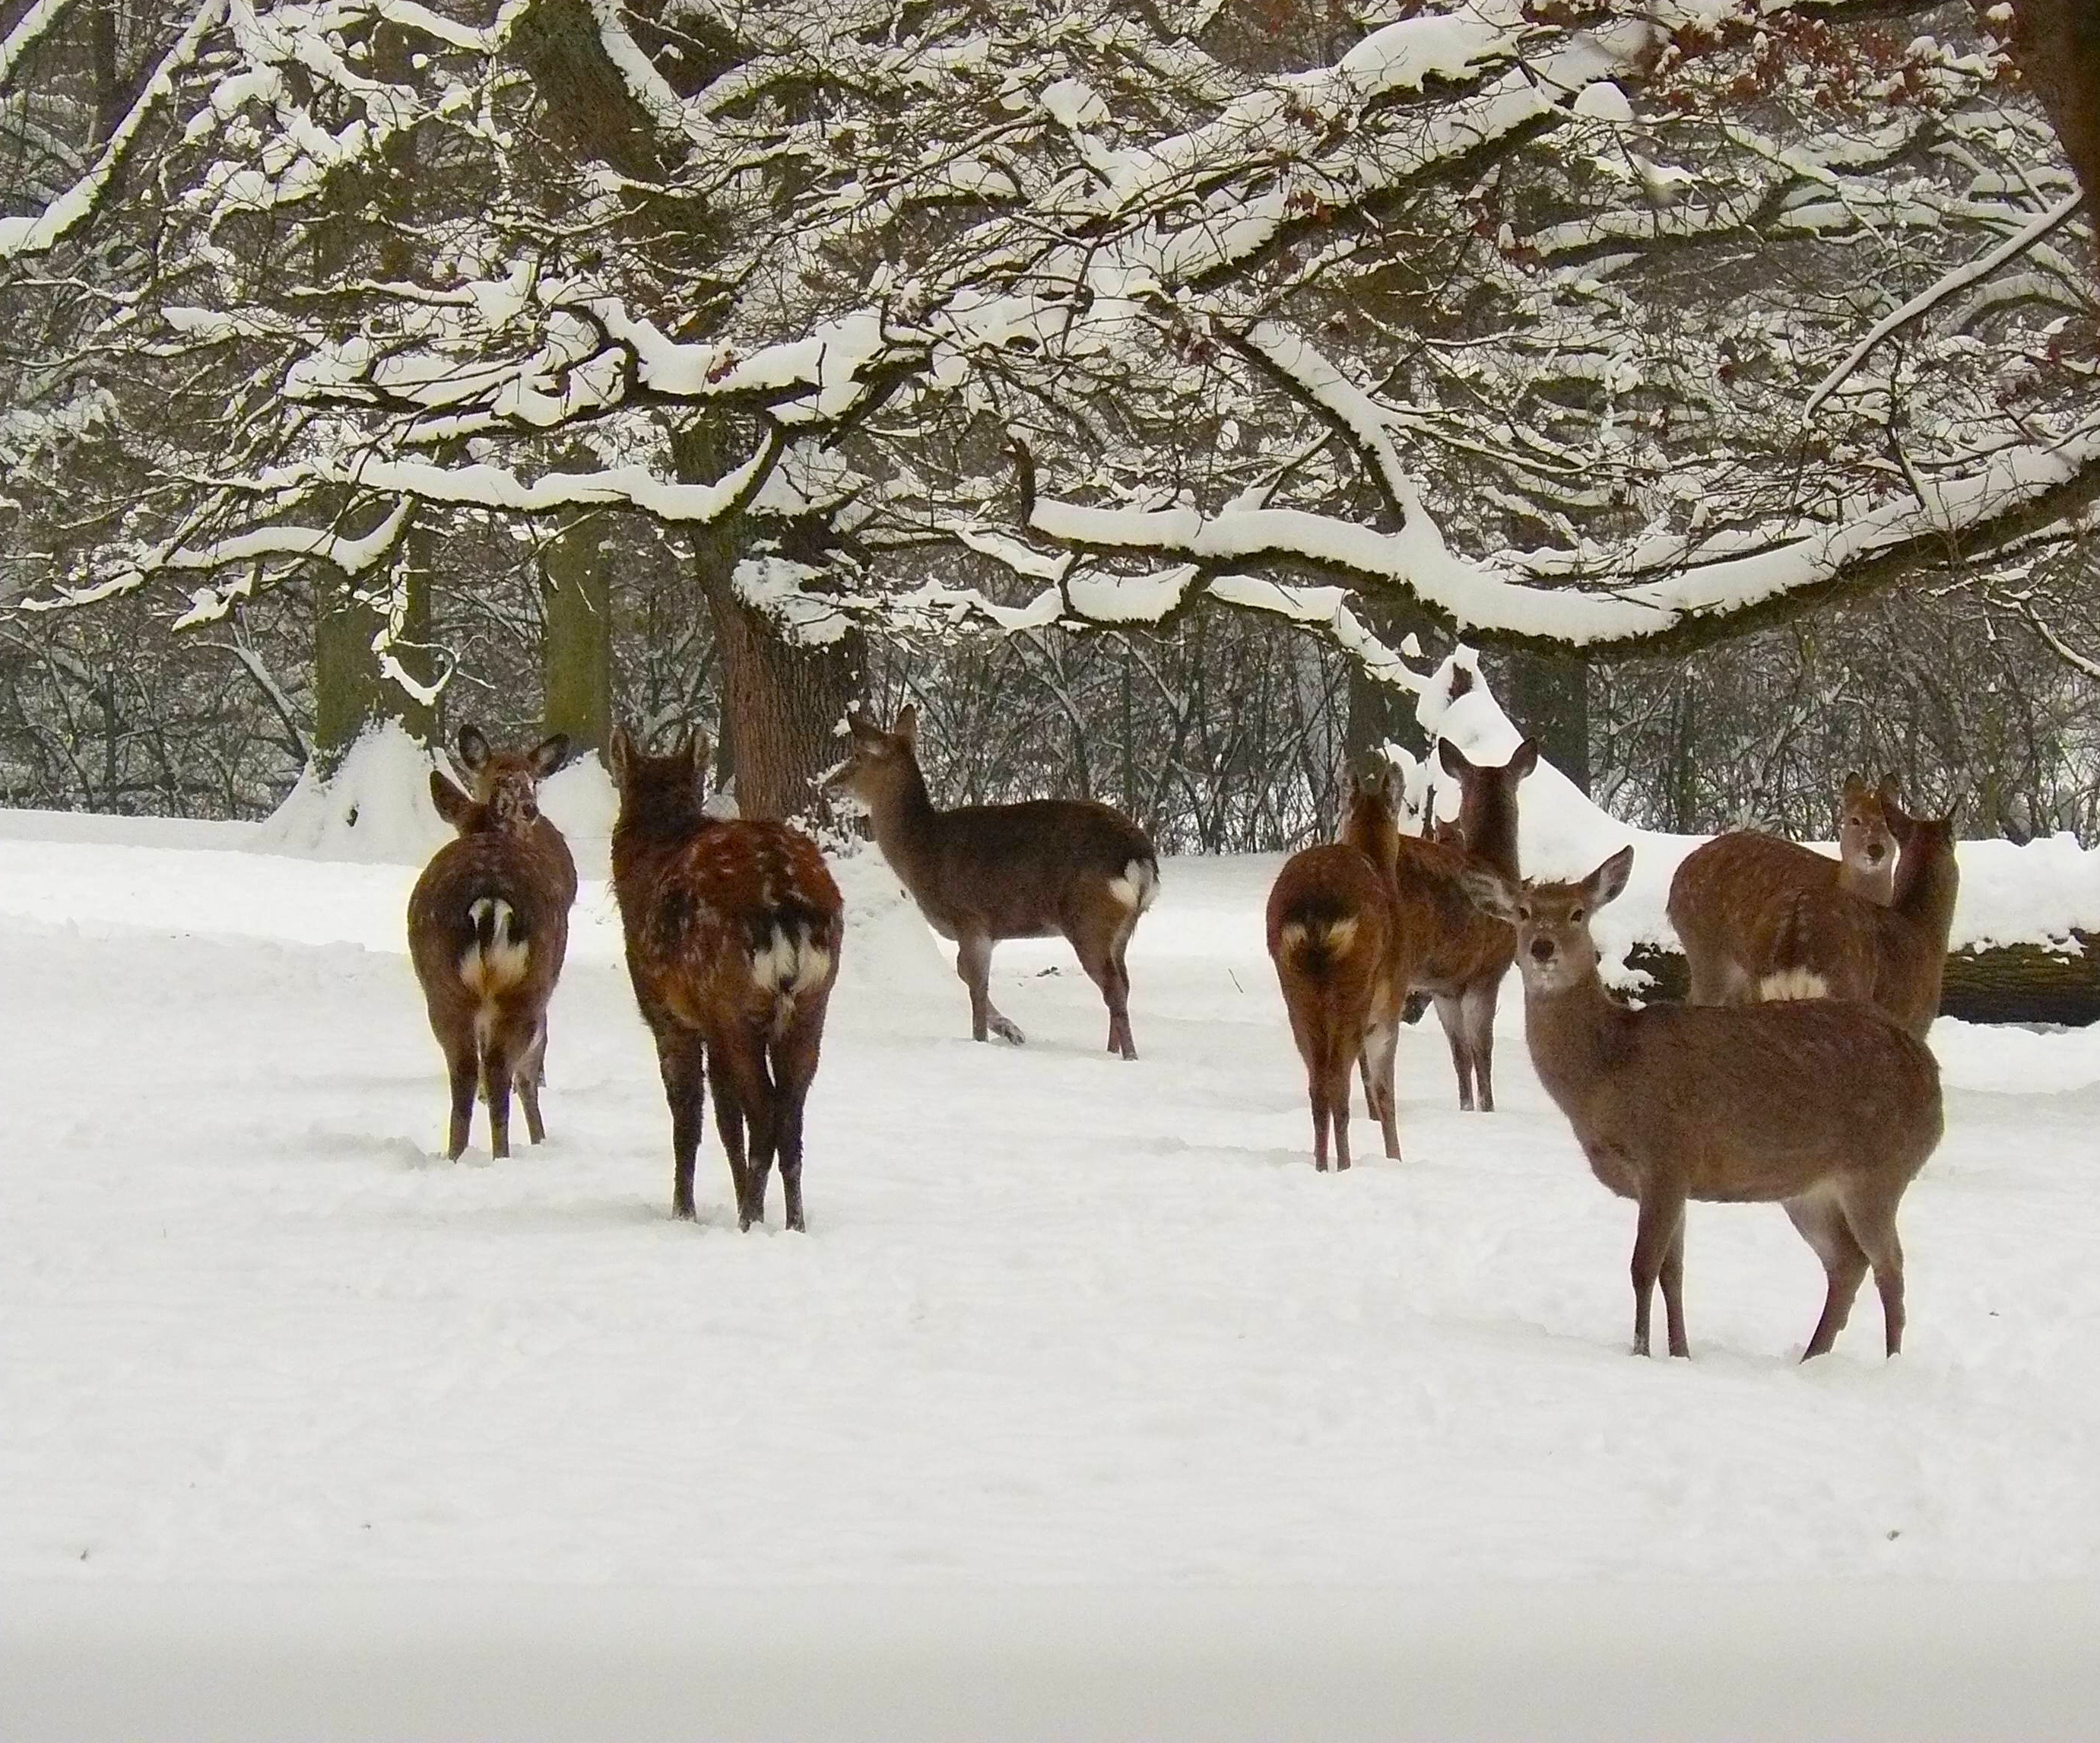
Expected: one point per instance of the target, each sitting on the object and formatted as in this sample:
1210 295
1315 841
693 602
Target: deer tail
1138 887
1316 944
1789 975
793 958
496 958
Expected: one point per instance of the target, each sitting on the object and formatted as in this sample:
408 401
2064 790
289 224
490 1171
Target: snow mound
580 801
889 948
375 808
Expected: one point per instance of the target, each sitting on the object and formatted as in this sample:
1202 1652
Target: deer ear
1608 881
1452 758
549 754
1523 760
452 805
473 747
1490 891
907 724
619 755
1888 790
1856 786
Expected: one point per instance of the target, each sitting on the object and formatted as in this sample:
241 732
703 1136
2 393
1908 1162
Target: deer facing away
984 872
732 932
1332 923
488 925
1827 1108
1733 901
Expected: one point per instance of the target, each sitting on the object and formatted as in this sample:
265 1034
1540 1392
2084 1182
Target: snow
275 1372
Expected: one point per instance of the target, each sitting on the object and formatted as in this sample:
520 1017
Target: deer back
1739 896
462 954
1911 934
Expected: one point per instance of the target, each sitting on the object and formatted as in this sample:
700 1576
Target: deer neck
1488 821
1573 1035
639 841
902 816
1925 898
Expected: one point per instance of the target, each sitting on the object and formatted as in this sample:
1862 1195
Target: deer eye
1575 916
1523 910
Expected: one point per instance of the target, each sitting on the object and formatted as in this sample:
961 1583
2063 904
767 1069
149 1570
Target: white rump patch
1137 887
790 964
508 957
1793 983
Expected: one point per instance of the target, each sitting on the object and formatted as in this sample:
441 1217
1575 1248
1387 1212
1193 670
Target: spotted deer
1828 1109
1733 901
733 931
1449 948
1835 946
1331 927
488 926
984 872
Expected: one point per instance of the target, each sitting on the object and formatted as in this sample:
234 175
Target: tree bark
577 639
1378 711
781 699
1547 697
2058 45
351 692
2012 983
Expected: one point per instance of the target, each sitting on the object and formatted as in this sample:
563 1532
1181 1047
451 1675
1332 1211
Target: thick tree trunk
2017 983
1379 711
2057 43
781 700
1547 696
351 690
577 639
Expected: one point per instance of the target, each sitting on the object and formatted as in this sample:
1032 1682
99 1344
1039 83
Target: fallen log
2002 983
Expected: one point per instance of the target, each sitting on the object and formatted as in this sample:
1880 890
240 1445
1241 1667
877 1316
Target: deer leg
1097 956
728 1126
1874 1226
682 1060
1451 1012
1661 1215
973 963
794 1069
1673 1290
1478 1008
1821 1223
740 1061
531 1074
1119 999
463 1063
498 1060
1381 1042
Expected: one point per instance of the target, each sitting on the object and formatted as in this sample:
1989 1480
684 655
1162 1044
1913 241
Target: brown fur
487 1002
1824 1107
491 772
1331 924
984 872
725 922
1447 947
1747 906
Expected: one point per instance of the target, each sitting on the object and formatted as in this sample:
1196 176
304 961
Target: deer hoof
1005 1030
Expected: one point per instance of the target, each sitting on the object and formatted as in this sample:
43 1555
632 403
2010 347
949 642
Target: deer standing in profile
1733 900
1828 1108
488 926
733 931
984 872
1450 949
1332 924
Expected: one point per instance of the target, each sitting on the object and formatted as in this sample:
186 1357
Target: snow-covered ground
1061 1324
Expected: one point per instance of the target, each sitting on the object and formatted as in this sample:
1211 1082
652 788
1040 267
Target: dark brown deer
733 930
984 872
488 925
1448 948
1826 1108
1331 928
490 771
1732 900
1835 946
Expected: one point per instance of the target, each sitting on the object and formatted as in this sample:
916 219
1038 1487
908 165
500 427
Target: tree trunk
576 640
2013 983
351 692
1547 697
1378 711
2058 43
781 700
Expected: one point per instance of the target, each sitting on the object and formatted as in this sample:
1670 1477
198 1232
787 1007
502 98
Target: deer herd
1797 1072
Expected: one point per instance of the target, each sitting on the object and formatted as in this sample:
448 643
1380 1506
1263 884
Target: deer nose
1874 851
1541 950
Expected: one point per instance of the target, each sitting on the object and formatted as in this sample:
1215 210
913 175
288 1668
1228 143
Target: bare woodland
1126 385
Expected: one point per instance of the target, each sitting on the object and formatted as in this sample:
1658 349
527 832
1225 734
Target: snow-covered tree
1577 326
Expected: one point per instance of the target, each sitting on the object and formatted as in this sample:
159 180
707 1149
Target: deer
1825 1107
1733 898
1833 946
1450 950
1331 925
733 930
984 872
489 771
489 927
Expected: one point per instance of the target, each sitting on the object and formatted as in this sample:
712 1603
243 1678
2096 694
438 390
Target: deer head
657 789
507 782
1866 834
1554 947
881 765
